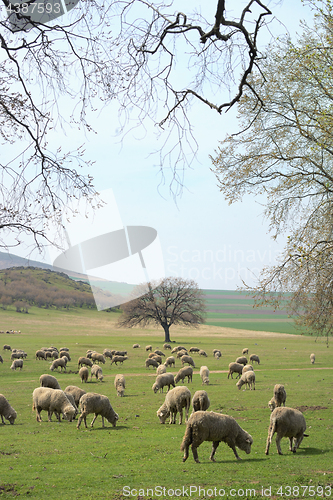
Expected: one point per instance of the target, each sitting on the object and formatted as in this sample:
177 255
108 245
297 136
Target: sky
200 236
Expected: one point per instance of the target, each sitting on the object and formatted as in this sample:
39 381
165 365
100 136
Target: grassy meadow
140 458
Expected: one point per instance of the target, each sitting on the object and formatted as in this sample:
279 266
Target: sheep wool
119 383
286 422
204 374
99 405
51 400
166 379
247 378
187 371
175 400
76 392
7 411
200 401
46 380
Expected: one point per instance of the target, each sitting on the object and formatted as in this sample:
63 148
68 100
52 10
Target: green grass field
56 461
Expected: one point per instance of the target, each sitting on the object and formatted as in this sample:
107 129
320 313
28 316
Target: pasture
140 458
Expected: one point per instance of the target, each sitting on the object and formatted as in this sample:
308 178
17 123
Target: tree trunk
166 332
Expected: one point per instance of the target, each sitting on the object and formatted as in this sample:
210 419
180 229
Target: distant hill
8 260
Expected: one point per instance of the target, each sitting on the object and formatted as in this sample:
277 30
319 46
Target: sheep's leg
195 453
231 444
291 444
214 448
278 441
49 415
269 440
186 410
2 420
93 420
82 416
180 415
298 441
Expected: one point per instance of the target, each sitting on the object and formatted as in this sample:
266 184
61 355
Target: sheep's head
11 418
69 412
272 404
239 383
163 414
155 387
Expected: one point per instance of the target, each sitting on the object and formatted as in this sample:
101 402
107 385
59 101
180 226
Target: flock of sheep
201 426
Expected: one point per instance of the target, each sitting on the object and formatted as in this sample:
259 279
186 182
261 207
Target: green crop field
140 458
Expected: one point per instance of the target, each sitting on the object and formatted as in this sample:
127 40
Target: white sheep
245 350
202 353
98 404
40 354
255 357
210 426
136 346
6 410
149 348
166 379
167 346
71 399
58 362
118 359
96 371
84 374
170 361
247 378
96 356
242 360
187 371
312 358
247 368
66 354
161 369
286 422
151 362
119 383
235 368
160 353
200 401
46 380
17 363
193 349
279 397
175 400
83 360
76 392
52 400
204 374
188 360
217 354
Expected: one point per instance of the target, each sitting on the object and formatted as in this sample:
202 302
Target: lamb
17 363
49 381
99 405
84 374
166 379
245 351
187 371
118 359
119 383
170 361
187 359
286 422
210 426
175 400
312 358
84 361
76 392
58 362
202 353
235 368
161 369
97 371
242 360
52 400
96 356
247 378
255 358
151 362
7 411
200 401
204 374
279 397
40 354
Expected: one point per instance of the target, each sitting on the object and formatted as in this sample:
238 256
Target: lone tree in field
175 301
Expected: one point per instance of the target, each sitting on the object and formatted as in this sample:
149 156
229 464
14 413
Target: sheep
193 349
312 358
107 353
151 362
245 350
96 356
160 353
157 358
119 383
149 348
200 401
187 371
242 360
71 399
84 374
204 374
170 361
181 353
61 348
17 363
166 379
118 359
167 346
7 411
187 359
76 392
202 353
279 397
99 405
40 354
46 380
52 400
58 362
216 350
7 347
217 354
175 400
247 368
120 353
161 369
97 371
18 354
136 346
66 354
247 378
210 426
235 368
255 358
1 360
286 422
178 348
84 361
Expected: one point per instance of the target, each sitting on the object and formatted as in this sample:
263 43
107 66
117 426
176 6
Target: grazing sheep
97 371
61 348
286 422
136 346
245 351
84 361
151 362
279 397
66 354
58 362
204 374
7 411
99 405
187 371
96 356
160 353
193 349
46 380
119 383
202 353
84 374
312 358
119 353
18 354
247 378
217 354
178 348
152 355
157 358
216 350
40 354
118 359
200 401
242 360
7 347
161 369
235 368
170 361
52 400
255 358
175 400
1 360
210 426
149 347
188 360
247 368
71 399
181 353
76 392
17 363
167 346
166 379
107 353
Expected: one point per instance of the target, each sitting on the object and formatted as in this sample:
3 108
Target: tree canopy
175 301
285 152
